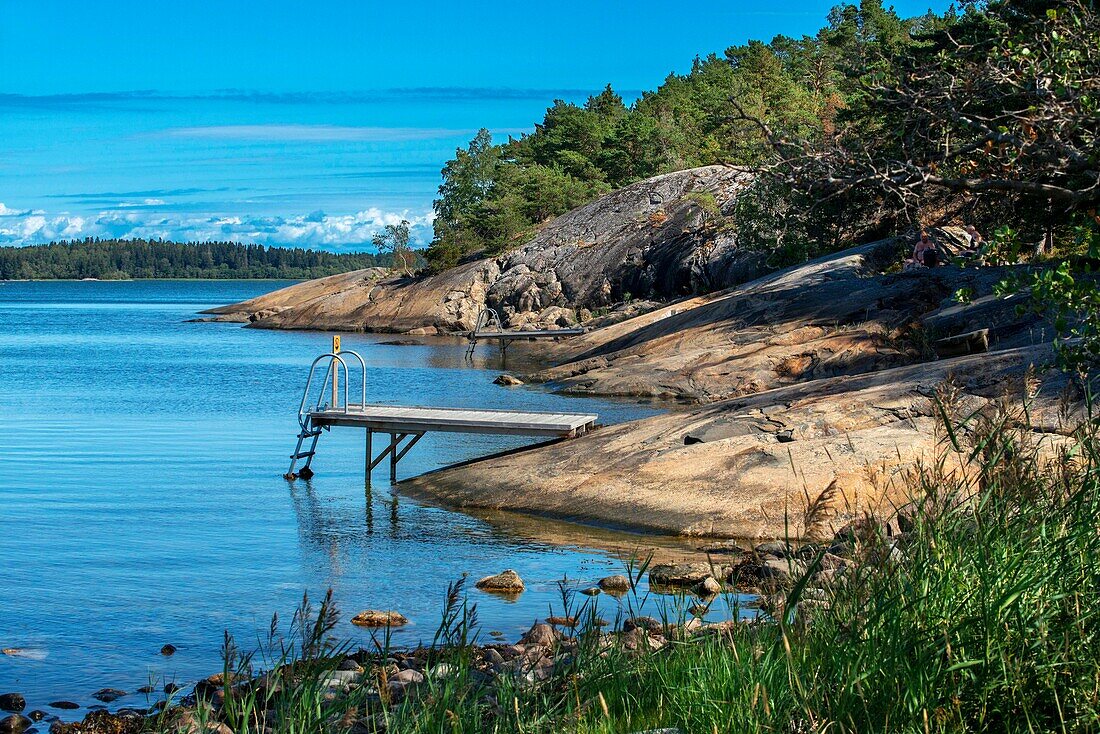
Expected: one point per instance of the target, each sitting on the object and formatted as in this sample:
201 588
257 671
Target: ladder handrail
363 384
336 361
486 318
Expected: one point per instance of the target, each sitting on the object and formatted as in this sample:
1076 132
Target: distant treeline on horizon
108 259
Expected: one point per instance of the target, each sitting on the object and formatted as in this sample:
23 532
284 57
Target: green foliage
783 223
393 241
123 259
493 196
488 202
1066 292
706 202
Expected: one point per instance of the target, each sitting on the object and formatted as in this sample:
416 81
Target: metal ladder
309 432
487 318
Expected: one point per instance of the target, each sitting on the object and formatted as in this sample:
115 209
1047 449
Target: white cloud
9 212
143 202
316 229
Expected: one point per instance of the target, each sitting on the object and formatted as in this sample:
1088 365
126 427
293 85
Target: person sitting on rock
925 252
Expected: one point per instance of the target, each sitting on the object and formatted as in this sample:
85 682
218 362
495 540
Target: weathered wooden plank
515 335
449 412
403 419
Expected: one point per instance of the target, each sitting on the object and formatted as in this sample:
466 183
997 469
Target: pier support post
370 453
393 456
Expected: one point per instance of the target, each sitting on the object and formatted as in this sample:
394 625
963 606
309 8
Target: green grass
982 617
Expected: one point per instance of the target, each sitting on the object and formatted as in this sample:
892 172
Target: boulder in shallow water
168 650
378 618
507 381
723 548
679 574
13 702
15 724
772 570
708 587
617 584
106 695
507 582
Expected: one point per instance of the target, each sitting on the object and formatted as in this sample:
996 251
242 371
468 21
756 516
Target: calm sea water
143 504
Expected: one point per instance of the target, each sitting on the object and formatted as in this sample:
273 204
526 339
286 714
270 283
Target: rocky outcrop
368 300
820 377
749 466
815 381
652 239
656 239
839 315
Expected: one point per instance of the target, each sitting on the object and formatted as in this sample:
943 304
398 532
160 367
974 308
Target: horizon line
317 97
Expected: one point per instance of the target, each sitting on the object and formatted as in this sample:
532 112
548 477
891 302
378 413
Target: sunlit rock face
654 240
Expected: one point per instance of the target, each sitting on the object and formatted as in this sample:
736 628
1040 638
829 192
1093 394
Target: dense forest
493 195
877 123
122 259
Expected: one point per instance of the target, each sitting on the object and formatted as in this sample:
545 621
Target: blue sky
298 123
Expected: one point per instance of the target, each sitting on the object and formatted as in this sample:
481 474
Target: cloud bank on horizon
141 220
325 172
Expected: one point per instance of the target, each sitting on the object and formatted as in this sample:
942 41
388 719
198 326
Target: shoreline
680 572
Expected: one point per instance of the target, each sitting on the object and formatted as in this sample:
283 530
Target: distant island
107 259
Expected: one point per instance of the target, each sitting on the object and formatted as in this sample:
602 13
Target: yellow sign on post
335 371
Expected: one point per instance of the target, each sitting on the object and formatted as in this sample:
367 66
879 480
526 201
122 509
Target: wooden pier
489 328
406 425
